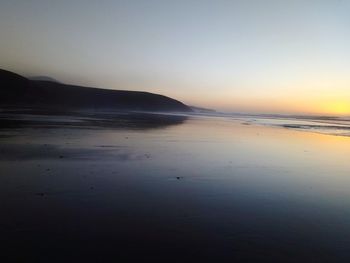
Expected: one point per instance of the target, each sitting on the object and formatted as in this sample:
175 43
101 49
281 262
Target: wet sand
150 187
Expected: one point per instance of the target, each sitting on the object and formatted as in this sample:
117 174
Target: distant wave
321 124
294 126
331 126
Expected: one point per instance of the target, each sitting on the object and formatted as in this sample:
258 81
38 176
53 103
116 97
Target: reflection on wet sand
205 190
115 120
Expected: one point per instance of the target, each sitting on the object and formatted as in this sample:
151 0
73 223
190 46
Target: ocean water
326 125
174 188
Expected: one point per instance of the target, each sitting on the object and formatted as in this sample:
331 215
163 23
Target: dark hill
43 78
18 91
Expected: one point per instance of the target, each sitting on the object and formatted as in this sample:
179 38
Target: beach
171 188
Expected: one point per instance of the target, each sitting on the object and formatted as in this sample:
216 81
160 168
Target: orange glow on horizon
332 105
337 107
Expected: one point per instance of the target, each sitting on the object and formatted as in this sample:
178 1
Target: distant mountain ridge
18 91
202 110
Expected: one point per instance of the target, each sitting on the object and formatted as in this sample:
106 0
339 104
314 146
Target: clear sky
286 56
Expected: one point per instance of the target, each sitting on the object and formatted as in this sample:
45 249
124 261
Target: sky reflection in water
202 189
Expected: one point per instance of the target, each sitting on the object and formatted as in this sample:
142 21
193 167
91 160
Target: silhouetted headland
18 91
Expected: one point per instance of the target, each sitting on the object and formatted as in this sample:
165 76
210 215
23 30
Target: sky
286 56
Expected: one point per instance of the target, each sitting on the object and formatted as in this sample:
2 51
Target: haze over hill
19 91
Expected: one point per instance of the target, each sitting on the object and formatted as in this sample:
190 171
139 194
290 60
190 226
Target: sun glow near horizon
337 108
301 104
